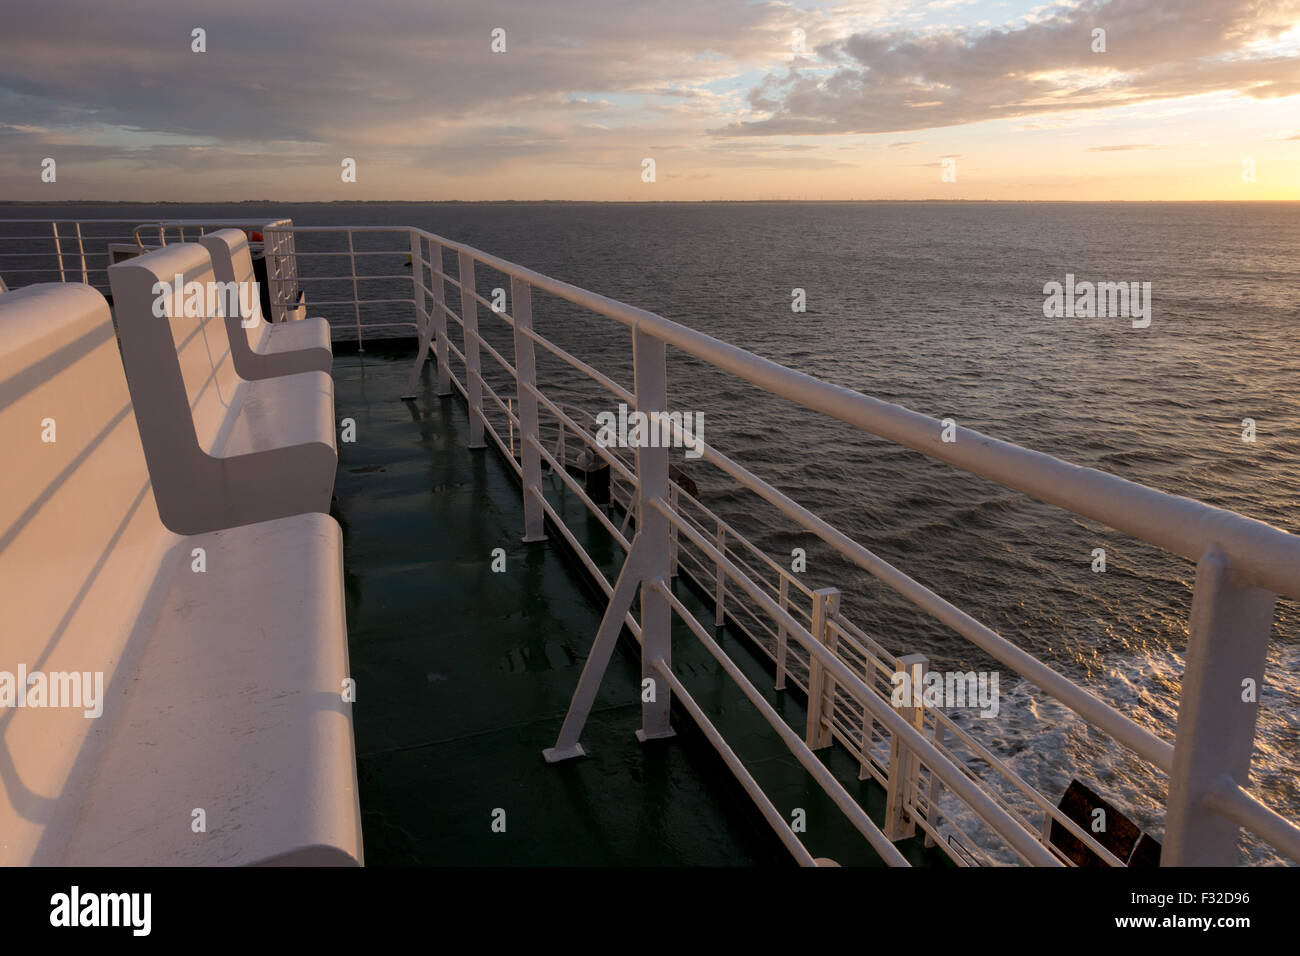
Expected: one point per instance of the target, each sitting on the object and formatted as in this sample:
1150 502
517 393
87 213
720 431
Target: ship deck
464 675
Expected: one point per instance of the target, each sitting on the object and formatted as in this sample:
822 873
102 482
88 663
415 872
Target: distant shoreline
635 202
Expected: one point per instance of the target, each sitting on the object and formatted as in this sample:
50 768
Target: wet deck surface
464 675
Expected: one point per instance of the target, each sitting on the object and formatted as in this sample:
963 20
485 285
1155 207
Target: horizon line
623 202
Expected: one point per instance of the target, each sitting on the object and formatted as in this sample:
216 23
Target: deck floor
463 675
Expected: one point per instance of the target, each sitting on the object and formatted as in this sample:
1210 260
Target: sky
727 99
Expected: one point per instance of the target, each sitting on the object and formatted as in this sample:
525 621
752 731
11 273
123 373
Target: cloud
1156 49
411 86
412 90
379 77
321 70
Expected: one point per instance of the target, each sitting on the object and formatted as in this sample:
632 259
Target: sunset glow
1189 100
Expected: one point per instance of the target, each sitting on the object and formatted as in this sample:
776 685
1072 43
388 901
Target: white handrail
1269 556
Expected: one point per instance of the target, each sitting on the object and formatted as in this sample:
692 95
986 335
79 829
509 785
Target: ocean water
939 307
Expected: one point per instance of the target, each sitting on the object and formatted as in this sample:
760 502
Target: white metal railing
160 231
938 777
287 276
60 250
921 759
81 250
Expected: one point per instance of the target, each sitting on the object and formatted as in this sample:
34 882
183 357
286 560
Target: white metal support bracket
1227 648
593 671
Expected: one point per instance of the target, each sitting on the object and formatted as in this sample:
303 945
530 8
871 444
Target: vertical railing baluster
510 405
674 545
868 722
782 635
720 579
1227 650
904 767
289 267
521 302
473 372
826 604
936 791
417 285
81 252
270 250
356 297
275 271
830 638
650 371
58 250
423 321
439 315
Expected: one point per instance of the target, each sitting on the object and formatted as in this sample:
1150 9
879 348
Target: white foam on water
1047 745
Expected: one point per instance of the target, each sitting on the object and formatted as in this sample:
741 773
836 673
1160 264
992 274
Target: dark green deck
463 675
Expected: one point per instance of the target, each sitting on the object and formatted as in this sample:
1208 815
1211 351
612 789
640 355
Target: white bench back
232 261
80 542
222 451
198 344
179 369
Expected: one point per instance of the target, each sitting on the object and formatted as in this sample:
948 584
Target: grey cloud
410 86
897 81
312 70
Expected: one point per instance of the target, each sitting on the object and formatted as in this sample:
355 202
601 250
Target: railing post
868 722
830 639
290 287
720 580
1227 648
904 768
422 318
826 604
439 316
673 545
782 636
81 251
417 283
521 300
270 254
936 791
650 371
473 370
58 250
356 297
272 246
